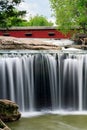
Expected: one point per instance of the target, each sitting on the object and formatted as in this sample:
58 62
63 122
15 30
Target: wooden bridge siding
39 33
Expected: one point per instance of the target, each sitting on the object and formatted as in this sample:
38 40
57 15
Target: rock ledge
23 43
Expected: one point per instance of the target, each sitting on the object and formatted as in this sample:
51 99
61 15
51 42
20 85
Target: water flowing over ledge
26 52
45 81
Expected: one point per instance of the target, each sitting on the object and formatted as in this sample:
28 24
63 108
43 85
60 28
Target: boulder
3 126
9 111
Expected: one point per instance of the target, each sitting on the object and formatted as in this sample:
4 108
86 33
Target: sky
40 7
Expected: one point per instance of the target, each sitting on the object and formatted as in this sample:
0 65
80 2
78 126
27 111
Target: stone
80 38
84 41
9 111
8 43
3 126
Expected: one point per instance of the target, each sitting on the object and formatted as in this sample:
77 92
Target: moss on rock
9 110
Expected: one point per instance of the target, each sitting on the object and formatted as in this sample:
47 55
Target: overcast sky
40 7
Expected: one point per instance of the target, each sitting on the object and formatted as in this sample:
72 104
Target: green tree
39 21
9 15
70 14
22 23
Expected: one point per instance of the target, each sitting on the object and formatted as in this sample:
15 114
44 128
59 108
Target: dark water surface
51 122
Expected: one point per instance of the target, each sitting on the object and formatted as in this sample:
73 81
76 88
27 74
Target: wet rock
3 126
9 111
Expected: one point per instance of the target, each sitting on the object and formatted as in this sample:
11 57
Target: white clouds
52 19
34 7
28 6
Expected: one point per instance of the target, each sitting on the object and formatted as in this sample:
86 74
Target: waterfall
45 81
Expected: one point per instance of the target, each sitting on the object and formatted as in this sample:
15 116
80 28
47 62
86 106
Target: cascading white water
45 81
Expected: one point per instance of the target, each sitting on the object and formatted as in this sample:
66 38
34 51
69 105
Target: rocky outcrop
12 43
3 126
80 38
9 111
23 43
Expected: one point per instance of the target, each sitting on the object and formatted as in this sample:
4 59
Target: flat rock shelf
21 43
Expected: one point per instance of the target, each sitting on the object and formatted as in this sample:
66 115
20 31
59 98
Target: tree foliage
39 21
34 21
9 15
70 13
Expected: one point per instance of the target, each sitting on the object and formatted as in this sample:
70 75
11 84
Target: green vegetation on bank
9 15
37 20
70 14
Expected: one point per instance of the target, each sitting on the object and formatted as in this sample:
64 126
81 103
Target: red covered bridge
34 32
